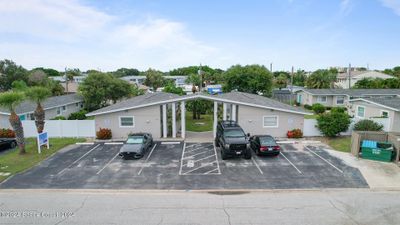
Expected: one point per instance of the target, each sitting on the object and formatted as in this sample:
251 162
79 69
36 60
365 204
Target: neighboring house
365 108
148 113
179 80
342 80
341 97
72 85
62 105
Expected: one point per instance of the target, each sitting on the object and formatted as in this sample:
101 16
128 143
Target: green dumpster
380 151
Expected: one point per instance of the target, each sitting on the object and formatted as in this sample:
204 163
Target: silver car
136 145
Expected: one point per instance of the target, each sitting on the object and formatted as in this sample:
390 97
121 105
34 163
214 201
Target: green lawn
205 123
313 116
341 144
11 162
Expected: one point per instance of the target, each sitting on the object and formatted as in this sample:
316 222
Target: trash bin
380 151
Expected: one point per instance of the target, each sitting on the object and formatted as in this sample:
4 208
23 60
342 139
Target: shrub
59 118
7 133
368 125
309 107
331 124
339 109
295 133
318 108
104 133
81 115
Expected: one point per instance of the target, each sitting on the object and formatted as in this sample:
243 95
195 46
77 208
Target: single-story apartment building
148 113
364 108
341 97
342 79
62 105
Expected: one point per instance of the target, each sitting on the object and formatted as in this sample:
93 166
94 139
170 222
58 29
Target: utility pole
270 67
349 75
200 72
291 85
66 80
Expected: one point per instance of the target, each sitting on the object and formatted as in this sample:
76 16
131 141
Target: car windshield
234 133
267 141
135 140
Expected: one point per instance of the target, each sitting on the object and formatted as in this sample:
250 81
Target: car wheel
247 155
137 156
13 145
216 143
276 154
223 155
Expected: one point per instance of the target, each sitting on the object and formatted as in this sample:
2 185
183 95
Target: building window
81 105
76 104
339 100
384 114
126 121
361 111
270 121
64 108
321 99
30 116
58 111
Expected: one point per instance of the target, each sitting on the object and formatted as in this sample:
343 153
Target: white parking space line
255 163
193 161
290 162
193 150
209 172
114 143
84 143
323 159
216 158
147 159
204 165
170 143
183 152
191 156
108 163
78 159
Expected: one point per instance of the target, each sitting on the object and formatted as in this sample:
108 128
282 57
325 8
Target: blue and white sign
214 89
42 139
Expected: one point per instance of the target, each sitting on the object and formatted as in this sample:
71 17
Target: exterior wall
146 120
372 110
4 123
251 120
71 108
330 100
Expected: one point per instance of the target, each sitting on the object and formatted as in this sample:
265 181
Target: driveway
188 166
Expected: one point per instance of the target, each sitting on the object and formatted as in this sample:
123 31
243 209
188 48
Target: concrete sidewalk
351 206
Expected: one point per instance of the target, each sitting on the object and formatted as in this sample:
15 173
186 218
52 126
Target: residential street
349 206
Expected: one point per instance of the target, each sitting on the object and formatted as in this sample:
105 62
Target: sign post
42 139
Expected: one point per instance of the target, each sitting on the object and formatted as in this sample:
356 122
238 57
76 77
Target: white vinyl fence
310 129
60 128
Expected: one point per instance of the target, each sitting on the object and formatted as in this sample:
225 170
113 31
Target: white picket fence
310 129
62 128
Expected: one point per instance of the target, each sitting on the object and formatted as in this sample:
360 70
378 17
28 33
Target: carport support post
215 121
233 112
224 111
183 119
164 114
173 120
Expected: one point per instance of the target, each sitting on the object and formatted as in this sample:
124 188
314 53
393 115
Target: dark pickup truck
6 143
232 140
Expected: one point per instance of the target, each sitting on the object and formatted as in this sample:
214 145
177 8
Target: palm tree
38 95
321 79
11 100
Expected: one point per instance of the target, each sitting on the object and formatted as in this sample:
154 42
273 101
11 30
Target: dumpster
380 151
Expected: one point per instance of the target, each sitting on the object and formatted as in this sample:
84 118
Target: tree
321 79
10 72
318 108
370 83
331 124
11 100
98 89
50 72
69 76
281 81
299 78
38 95
154 79
19 85
122 72
368 125
37 78
254 79
171 88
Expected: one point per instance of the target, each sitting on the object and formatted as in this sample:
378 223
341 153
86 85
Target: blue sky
107 35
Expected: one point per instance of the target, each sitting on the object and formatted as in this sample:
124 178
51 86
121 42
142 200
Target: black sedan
7 143
264 145
136 145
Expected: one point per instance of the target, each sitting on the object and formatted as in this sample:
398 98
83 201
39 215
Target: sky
166 34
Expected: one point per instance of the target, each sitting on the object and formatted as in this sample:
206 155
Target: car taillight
277 148
263 148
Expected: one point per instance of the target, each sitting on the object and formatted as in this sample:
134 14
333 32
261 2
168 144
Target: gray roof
52 102
353 92
393 103
232 97
141 100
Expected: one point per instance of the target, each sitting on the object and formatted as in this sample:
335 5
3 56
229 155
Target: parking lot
188 166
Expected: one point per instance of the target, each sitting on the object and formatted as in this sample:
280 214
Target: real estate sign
42 139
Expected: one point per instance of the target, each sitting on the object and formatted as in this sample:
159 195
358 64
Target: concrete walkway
199 137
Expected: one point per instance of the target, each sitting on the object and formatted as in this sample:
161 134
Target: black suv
232 140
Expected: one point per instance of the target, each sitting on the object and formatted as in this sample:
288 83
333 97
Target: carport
149 113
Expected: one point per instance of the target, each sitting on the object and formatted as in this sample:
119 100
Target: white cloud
392 4
66 33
